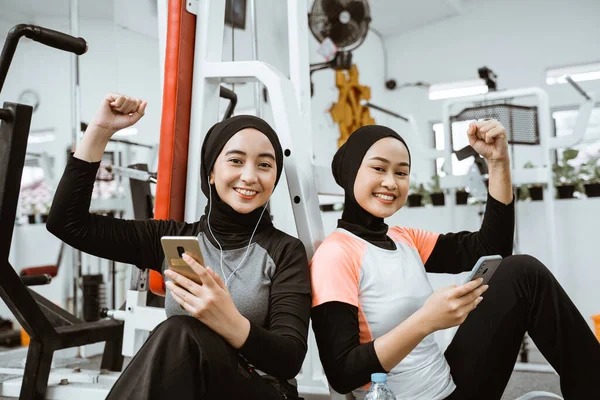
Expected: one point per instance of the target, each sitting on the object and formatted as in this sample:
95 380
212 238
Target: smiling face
245 171
382 181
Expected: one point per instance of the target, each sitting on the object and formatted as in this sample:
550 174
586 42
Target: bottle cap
379 377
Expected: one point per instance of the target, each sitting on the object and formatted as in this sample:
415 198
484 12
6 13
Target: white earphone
221 248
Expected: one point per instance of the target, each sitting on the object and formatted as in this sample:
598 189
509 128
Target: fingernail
480 299
185 256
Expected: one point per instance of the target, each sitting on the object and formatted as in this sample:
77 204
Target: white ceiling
135 15
389 17
93 9
394 17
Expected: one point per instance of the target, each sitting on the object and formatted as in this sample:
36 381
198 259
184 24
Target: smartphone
484 268
174 247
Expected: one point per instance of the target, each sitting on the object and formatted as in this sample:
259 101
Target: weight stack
94 296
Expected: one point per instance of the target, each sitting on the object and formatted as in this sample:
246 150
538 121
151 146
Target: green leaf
570 154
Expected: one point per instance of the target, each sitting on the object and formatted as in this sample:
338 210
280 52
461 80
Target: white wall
45 71
123 61
517 39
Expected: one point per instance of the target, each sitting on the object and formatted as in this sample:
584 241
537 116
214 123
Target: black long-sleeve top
273 291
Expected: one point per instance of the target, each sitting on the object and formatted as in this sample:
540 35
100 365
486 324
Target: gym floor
520 382
523 382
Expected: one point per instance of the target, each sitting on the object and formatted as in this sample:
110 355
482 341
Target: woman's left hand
488 138
210 302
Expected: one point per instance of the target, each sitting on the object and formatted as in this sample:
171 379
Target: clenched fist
117 112
489 139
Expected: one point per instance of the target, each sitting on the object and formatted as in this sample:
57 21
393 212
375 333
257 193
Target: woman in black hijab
345 167
374 309
243 332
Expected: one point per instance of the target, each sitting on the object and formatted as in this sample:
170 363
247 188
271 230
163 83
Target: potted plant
462 195
590 173
522 193
566 177
437 194
535 191
44 209
417 195
29 210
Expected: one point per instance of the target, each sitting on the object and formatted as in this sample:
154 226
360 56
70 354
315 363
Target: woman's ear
211 178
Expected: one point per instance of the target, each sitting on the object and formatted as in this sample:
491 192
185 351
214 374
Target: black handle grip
36 280
232 97
465 152
56 39
45 36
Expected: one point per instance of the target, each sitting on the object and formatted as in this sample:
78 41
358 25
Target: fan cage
321 27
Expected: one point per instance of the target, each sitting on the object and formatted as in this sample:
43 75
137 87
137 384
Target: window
36 194
459 140
564 122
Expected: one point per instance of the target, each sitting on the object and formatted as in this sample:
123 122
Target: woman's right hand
450 306
117 112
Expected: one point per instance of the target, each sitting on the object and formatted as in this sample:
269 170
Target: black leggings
523 297
184 359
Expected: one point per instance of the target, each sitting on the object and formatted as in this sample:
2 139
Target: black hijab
232 229
345 166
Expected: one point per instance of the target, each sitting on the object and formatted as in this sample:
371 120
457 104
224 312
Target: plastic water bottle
379 389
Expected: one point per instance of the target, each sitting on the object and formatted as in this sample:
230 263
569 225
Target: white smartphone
174 247
484 268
